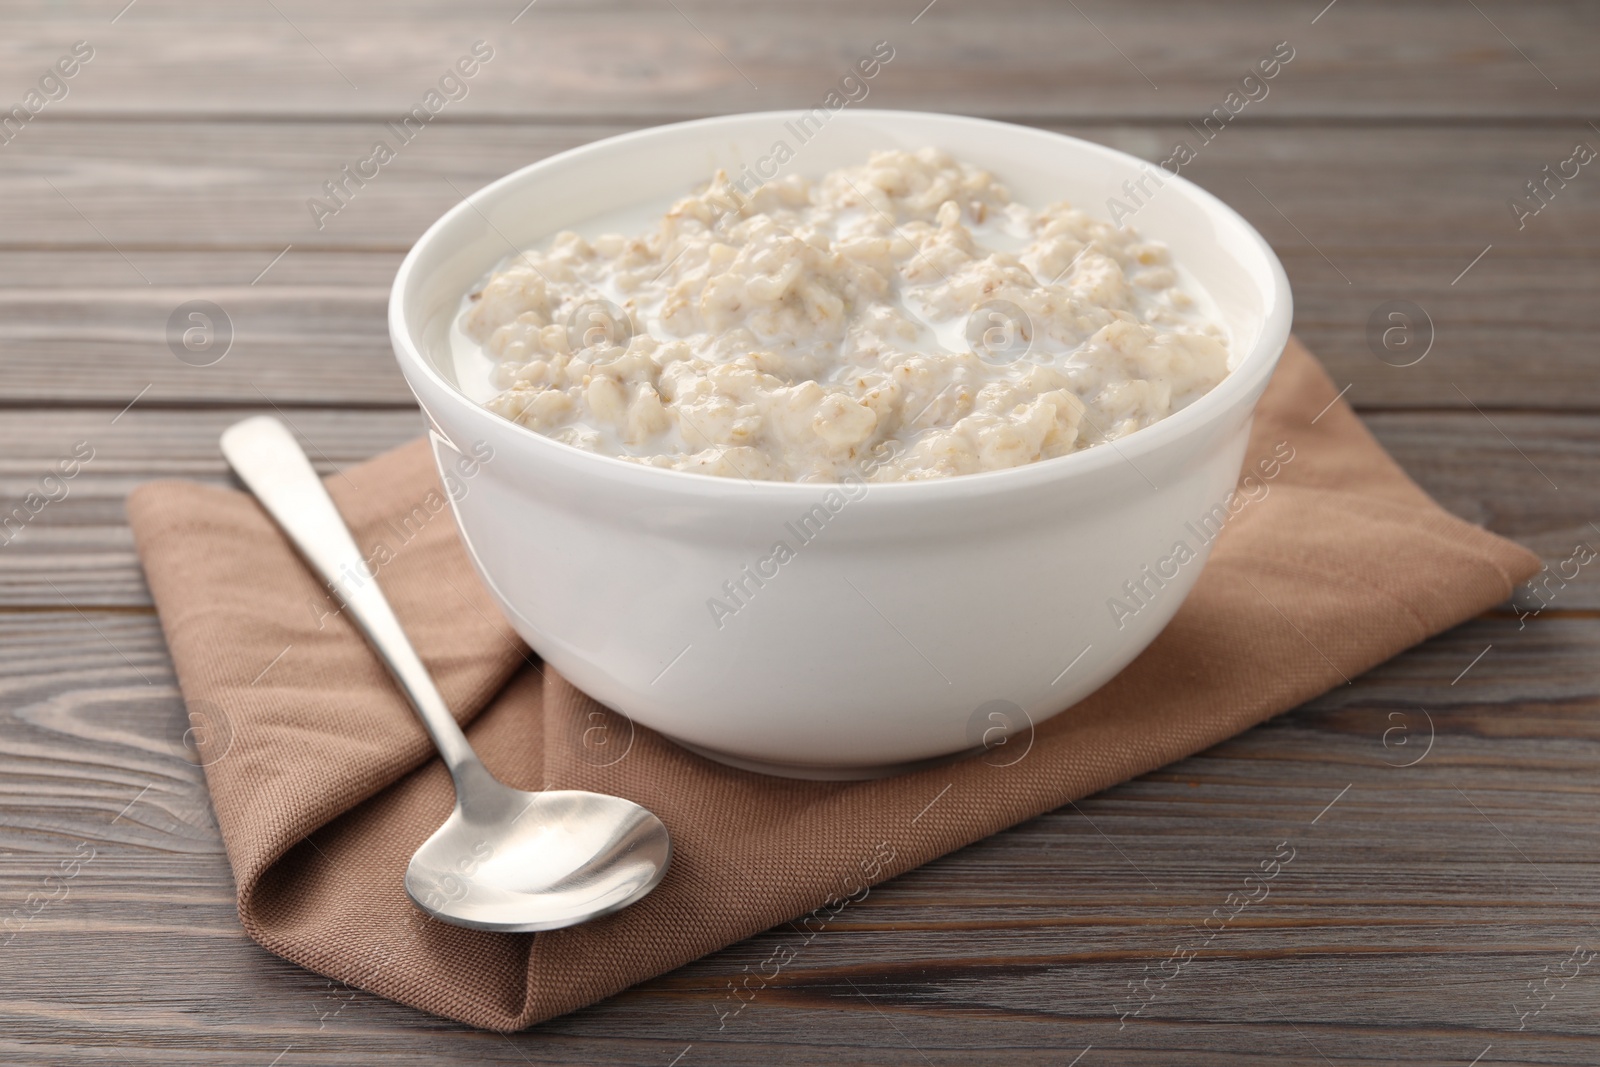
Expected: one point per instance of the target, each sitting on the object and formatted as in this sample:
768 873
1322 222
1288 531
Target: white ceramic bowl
925 618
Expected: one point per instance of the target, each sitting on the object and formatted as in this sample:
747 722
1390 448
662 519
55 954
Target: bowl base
822 772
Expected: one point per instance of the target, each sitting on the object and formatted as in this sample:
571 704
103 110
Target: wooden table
1435 912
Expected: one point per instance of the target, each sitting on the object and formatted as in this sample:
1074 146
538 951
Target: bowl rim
1243 382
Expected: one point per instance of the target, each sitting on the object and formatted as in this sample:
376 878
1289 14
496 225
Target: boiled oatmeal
897 320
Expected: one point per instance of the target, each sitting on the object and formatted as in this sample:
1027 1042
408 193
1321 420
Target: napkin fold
324 783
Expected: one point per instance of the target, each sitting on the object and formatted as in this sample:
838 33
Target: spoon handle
270 462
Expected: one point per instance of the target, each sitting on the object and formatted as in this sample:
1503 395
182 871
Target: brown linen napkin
324 783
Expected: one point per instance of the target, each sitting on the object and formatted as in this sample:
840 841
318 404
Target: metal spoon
505 859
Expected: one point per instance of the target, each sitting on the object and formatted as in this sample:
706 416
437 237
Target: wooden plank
82 324
139 186
1405 930
1521 337
160 185
80 549
1016 57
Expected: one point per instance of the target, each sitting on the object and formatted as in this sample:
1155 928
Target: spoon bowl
518 861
